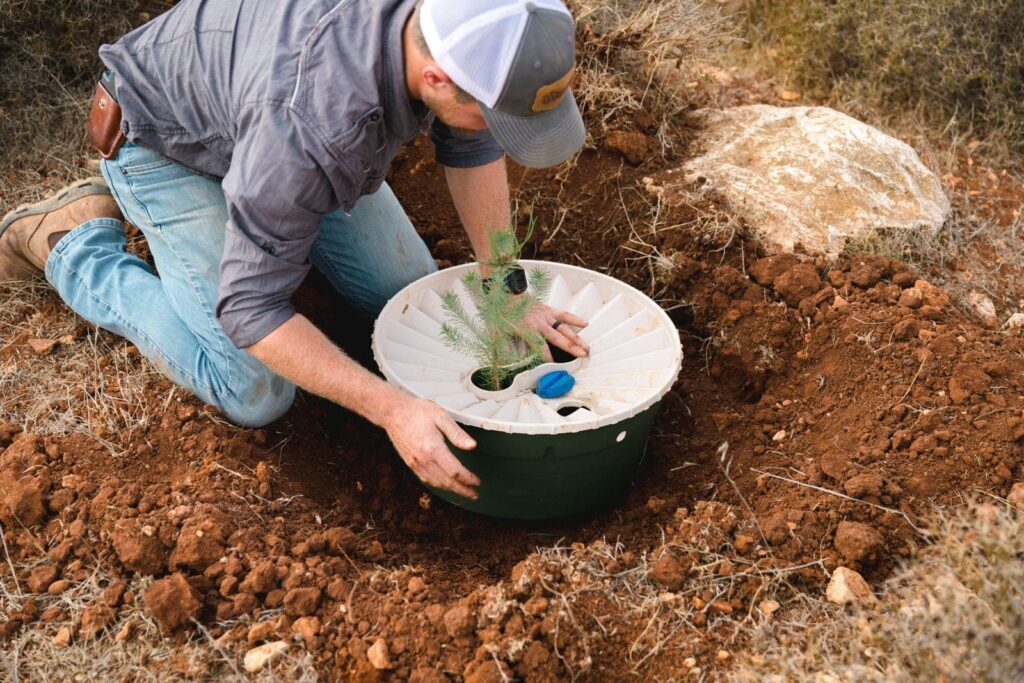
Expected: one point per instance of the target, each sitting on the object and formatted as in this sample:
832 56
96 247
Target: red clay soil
822 409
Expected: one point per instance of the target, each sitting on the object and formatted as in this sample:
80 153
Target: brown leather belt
104 127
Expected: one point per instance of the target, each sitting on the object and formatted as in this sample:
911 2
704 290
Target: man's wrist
388 402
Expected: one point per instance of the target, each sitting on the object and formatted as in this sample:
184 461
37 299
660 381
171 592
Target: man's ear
434 76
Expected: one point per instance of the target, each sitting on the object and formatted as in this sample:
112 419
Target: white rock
258 657
983 307
1014 322
378 654
848 587
814 176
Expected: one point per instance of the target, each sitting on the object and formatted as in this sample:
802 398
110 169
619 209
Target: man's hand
300 352
553 324
417 428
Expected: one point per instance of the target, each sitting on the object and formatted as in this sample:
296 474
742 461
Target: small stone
764 271
932 295
63 638
797 283
306 628
1016 497
416 585
723 655
1014 322
911 298
983 307
378 655
769 607
264 630
42 347
125 633
58 587
848 587
260 579
779 435
259 657
629 144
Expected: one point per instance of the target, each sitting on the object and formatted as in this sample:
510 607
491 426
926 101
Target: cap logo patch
549 96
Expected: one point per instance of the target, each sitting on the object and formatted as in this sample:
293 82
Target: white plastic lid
635 354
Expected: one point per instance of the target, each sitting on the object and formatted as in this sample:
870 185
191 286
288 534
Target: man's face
450 110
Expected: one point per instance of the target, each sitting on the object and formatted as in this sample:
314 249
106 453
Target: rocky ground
824 409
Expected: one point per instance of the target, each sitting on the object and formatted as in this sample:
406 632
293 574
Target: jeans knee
261 401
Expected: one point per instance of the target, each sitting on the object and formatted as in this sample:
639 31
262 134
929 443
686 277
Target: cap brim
540 141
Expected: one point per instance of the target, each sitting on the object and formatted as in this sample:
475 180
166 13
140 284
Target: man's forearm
301 353
480 195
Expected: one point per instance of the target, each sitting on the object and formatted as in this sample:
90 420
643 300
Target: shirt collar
405 118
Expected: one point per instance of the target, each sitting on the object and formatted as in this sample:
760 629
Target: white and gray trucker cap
517 58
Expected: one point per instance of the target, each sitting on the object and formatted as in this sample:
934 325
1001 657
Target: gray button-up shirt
299 105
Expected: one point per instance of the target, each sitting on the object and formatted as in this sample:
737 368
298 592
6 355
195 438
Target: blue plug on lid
555 384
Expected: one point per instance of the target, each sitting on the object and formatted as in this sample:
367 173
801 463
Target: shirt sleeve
459 149
277 193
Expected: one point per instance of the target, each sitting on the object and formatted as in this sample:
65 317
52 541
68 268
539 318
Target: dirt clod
630 144
41 577
864 485
172 602
95 619
797 283
300 602
668 572
138 551
459 621
858 542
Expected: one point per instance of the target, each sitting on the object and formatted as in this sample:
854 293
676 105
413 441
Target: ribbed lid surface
635 354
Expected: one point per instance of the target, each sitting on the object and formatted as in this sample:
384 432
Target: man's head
502 64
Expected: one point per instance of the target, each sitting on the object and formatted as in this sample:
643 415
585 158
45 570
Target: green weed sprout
496 336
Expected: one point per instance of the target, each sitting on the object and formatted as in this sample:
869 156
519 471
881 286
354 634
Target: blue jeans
368 255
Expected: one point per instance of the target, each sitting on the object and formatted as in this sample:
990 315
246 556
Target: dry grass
131 648
954 65
94 383
50 67
646 55
956 613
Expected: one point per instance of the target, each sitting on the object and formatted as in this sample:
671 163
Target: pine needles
496 335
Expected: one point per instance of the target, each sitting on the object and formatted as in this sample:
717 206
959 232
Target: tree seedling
496 336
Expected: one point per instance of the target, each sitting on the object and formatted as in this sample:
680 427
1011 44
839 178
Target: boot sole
82 188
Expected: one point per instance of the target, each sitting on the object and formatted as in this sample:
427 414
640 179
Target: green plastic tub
542 476
542 458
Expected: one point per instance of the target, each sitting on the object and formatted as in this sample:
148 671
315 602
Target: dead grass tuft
130 648
50 67
646 55
956 613
94 383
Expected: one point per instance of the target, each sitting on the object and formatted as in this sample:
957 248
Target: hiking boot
25 232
